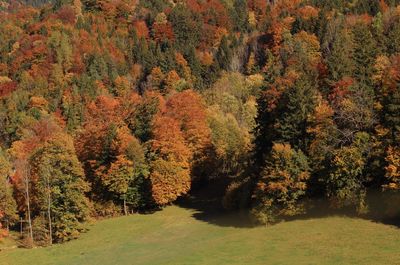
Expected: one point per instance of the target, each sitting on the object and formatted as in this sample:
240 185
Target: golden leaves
393 168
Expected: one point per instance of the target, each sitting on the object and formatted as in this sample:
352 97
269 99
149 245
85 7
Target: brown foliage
7 88
141 28
188 108
163 32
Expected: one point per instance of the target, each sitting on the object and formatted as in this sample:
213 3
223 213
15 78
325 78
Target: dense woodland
111 107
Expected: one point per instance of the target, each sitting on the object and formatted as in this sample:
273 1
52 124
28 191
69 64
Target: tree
299 102
8 206
364 54
392 169
393 40
20 152
240 15
189 109
170 170
163 32
61 45
93 143
339 60
391 109
118 177
112 156
224 54
354 111
187 29
61 187
141 28
169 179
140 121
49 181
345 182
323 134
230 142
282 184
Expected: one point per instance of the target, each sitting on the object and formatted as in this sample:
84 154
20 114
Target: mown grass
176 236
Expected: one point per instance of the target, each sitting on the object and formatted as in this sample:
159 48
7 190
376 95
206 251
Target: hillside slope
179 236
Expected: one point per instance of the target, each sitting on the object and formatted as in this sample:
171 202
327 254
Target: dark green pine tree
166 58
287 122
366 6
364 55
297 103
224 54
264 130
339 59
196 67
239 16
187 27
391 116
141 121
97 67
142 54
393 36
378 32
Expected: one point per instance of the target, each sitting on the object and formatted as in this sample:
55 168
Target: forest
117 107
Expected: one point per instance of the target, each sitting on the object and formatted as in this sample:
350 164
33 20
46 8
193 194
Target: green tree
282 184
61 44
118 178
298 104
393 36
61 187
141 120
239 15
338 59
231 143
186 26
391 117
8 207
345 182
364 55
224 54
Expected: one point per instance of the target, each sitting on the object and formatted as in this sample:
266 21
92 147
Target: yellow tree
393 168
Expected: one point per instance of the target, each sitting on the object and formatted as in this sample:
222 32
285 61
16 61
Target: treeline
115 107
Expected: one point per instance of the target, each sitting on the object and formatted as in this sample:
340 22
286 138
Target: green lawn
181 236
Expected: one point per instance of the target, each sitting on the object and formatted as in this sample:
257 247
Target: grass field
178 235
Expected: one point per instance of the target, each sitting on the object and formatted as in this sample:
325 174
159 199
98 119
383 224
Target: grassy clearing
179 236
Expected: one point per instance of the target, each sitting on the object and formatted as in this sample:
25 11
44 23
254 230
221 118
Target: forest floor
186 233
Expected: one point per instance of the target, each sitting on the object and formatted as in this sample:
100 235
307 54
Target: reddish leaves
141 28
7 88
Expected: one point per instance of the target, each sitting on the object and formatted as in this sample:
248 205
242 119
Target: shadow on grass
384 208
206 202
211 211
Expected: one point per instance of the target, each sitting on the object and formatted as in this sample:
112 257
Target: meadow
186 235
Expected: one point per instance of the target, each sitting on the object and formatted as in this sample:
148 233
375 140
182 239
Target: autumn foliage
116 107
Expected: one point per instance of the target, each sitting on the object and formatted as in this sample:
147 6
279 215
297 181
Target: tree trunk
26 179
125 210
49 210
6 202
20 226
